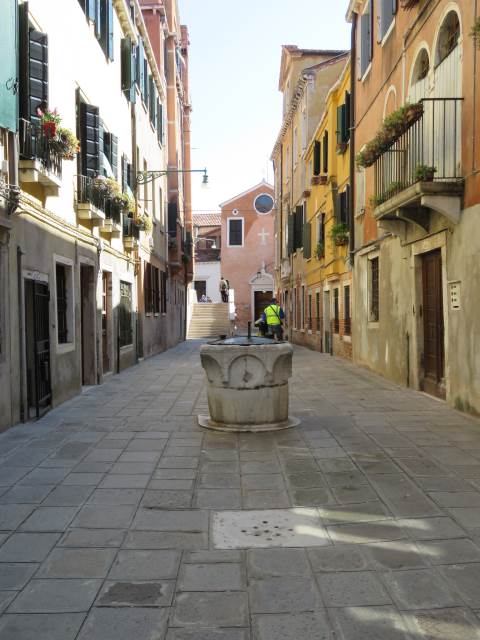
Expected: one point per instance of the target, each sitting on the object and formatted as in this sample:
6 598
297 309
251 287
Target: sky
235 51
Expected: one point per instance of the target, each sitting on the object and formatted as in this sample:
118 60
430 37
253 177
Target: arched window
448 37
422 67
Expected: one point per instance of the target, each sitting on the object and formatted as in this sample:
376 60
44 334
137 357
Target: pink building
247 260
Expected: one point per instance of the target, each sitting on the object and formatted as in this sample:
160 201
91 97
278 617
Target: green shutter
126 59
90 9
339 131
325 152
299 227
159 121
307 240
348 116
114 154
291 234
124 166
33 68
89 139
8 68
141 68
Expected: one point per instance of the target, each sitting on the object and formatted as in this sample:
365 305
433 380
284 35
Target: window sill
367 73
65 347
125 348
373 324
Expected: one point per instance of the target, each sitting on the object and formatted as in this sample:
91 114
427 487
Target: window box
319 180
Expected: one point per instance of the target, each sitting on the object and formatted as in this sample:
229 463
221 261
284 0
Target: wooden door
433 341
262 299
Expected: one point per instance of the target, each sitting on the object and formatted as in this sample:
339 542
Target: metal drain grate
268 528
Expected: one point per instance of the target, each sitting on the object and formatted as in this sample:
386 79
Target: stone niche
247 384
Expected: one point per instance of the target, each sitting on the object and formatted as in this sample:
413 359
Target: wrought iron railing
113 211
89 193
130 228
429 150
35 144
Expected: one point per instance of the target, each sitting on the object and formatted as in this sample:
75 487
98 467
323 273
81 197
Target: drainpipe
353 56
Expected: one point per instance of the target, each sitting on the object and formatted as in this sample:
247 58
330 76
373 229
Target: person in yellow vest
273 316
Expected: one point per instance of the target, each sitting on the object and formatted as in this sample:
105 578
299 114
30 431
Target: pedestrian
273 316
223 289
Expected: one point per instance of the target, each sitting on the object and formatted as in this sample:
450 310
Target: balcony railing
88 193
433 141
35 145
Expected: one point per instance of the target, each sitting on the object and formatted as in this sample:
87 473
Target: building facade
89 286
306 162
417 202
247 257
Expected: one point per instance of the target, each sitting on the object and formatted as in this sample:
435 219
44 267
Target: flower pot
49 129
341 240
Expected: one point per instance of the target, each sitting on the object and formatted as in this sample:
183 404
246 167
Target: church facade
248 251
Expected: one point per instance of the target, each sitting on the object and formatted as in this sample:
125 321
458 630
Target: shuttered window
235 232
151 289
153 101
62 324
110 149
33 68
298 234
366 35
347 322
291 234
388 9
89 139
129 68
342 213
317 160
163 292
160 128
8 56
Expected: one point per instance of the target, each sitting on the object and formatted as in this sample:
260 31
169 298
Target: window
100 12
163 292
295 146
302 325
298 228
343 124
321 235
310 311
344 206
235 232
89 140
151 289
62 303
110 149
33 67
317 156
374 290
325 152
347 323
263 203
388 9
448 37
125 314
366 43
336 315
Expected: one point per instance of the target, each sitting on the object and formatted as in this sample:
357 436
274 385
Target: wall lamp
147 176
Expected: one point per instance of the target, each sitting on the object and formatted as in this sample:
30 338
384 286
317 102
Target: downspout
353 66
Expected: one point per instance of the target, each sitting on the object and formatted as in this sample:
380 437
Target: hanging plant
393 127
475 33
144 222
50 120
65 144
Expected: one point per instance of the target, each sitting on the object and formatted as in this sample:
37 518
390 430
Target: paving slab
56 596
145 565
45 626
124 624
136 594
314 626
77 563
208 610
280 595
28 547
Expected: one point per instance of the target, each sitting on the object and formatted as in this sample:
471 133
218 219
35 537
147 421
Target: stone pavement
110 509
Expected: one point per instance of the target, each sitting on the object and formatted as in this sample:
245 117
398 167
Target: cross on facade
264 234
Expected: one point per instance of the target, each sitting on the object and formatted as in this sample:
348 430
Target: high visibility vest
272 314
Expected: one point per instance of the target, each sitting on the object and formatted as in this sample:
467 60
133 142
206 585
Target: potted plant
65 143
339 233
319 250
50 120
144 222
424 173
475 33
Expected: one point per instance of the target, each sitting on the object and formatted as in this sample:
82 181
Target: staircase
209 320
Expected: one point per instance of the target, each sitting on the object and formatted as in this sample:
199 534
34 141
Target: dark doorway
433 328
261 300
200 288
106 322
326 322
87 329
37 347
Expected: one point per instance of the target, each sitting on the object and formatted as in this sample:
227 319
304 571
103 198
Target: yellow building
312 170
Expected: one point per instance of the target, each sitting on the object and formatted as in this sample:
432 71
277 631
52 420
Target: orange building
247 260
417 194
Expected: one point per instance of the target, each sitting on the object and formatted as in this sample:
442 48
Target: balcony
131 233
40 162
91 203
420 171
